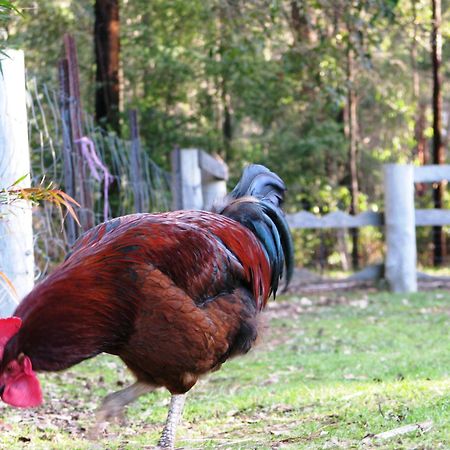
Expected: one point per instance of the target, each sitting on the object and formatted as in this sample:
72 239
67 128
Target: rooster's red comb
8 328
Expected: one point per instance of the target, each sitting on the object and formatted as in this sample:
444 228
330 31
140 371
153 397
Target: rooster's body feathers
184 290
172 294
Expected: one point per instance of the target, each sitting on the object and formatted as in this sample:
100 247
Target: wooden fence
198 179
399 219
69 149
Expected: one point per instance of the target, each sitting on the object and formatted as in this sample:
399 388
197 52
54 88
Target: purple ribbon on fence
94 162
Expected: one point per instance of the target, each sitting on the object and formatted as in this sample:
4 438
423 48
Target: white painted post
213 190
16 233
214 175
186 179
401 253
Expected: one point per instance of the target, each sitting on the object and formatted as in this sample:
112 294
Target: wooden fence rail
339 219
198 180
336 219
399 220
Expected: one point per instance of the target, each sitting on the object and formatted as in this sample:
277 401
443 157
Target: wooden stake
68 156
136 180
84 192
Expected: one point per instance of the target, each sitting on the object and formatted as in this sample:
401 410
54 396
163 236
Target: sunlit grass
436 271
323 377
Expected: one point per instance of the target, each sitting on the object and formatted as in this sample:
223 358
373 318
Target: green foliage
261 81
7 12
39 32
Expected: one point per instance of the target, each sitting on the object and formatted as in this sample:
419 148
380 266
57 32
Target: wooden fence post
198 179
214 175
83 187
136 164
212 190
401 253
186 179
16 232
68 155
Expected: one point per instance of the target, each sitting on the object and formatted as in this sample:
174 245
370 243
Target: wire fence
111 176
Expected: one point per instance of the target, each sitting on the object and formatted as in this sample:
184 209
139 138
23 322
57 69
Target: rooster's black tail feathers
259 182
256 203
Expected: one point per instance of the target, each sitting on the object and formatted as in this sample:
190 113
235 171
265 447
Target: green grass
327 374
436 272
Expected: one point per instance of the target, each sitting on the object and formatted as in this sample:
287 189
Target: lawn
330 372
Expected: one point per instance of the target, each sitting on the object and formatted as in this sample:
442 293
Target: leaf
37 195
9 284
19 180
61 198
9 6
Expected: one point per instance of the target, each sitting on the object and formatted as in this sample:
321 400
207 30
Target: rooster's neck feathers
256 202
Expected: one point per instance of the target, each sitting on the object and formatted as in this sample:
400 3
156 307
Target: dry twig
423 427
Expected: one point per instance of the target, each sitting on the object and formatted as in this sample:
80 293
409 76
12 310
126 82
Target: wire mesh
46 129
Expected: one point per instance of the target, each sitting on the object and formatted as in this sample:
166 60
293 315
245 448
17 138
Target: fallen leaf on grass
232 412
277 432
281 408
271 380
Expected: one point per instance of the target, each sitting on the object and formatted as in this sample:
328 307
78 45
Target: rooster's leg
113 404
173 417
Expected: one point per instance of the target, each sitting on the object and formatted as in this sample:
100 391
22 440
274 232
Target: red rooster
174 295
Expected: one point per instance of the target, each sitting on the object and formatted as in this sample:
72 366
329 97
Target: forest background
323 92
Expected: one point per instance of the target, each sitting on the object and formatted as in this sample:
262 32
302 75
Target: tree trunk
227 128
415 72
420 150
107 52
225 99
353 149
438 147
300 24
332 171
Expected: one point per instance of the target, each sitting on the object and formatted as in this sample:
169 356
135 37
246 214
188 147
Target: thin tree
107 54
438 147
421 148
225 96
352 127
299 22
